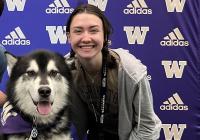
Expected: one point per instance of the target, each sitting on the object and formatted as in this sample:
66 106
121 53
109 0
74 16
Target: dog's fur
40 87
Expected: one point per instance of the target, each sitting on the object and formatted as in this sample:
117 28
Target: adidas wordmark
174 103
174 38
16 37
137 7
59 7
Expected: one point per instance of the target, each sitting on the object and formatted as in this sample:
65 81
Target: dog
39 89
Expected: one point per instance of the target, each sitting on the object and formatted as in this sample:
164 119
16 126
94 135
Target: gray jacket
137 119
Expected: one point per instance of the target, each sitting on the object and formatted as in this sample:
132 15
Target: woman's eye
94 31
53 73
31 73
77 31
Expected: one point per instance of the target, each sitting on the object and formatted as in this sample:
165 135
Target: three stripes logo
16 37
138 7
174 38
59 7
174 103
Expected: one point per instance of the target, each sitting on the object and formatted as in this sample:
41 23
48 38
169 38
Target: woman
113 98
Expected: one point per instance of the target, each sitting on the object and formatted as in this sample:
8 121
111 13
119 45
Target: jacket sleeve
147 125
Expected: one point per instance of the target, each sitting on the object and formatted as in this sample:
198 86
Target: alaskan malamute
39 89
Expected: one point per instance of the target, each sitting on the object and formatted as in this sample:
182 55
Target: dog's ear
11 61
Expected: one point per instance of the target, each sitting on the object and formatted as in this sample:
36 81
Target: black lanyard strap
103 92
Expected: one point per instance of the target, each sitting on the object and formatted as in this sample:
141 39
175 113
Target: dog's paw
7 112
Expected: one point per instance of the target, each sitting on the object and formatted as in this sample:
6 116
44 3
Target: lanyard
103 89
103 92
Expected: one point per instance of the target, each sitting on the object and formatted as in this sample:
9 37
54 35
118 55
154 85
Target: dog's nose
44 91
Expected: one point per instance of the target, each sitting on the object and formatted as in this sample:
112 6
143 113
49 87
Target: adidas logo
16 37
174 103
137 7
174 38
59 6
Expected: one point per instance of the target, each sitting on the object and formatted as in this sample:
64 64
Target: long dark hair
1 6
91 9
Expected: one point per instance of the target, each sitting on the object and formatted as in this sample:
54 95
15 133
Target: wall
163 34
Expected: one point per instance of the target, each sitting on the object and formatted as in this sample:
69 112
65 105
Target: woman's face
86 35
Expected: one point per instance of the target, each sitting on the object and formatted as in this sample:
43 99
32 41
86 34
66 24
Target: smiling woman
114 99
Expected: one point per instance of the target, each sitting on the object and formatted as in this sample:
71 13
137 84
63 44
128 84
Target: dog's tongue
44 108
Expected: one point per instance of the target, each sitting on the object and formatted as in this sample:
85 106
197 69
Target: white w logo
57 33
174 130
175 4
12 4
136 34
174 68
101 4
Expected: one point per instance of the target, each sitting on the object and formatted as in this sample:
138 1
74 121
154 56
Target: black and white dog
39 89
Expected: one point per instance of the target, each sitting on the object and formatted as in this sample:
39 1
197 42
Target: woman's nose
86 37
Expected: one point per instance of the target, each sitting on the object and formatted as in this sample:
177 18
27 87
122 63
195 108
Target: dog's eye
53 73
31 73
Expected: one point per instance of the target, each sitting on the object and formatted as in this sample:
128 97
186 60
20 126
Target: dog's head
39 83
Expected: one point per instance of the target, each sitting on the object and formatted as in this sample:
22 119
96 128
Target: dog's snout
44 91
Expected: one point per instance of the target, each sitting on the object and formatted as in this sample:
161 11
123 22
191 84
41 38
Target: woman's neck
92 66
